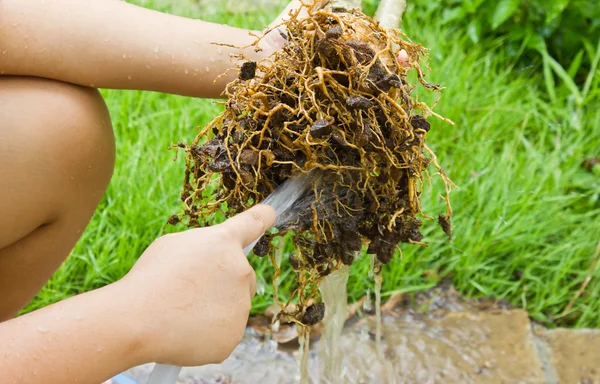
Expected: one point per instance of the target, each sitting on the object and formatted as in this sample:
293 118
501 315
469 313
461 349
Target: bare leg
56 159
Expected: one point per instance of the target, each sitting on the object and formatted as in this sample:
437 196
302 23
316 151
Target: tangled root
334 99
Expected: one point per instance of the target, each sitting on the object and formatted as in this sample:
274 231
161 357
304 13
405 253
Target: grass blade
590 77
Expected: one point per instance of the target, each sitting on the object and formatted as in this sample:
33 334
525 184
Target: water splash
284 198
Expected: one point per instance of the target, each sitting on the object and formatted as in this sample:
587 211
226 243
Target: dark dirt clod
320 128
334 32
358 102
248 157
173 220
336 99
419 122
295 261
313 314
262 247
444 222
248 70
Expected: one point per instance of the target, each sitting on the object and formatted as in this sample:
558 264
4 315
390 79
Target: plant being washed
335 100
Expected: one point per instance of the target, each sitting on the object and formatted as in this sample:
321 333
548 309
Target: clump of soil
334 99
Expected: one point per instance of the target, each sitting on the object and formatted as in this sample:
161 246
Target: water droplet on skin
98 349
34 373
4 52
148 66
106 40
129 77
124 56
219 51
186 71
26 47
173 57
207 69
43 329
78 317
212 59
156 49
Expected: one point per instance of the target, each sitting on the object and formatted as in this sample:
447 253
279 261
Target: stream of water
304 341
334 295
378 280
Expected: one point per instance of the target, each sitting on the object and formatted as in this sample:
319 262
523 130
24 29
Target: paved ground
445 340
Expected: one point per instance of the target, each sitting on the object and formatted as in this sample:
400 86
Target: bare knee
56 150
83 144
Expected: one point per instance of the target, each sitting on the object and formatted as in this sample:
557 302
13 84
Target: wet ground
433 337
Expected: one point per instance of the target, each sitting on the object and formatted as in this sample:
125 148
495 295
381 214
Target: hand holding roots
334 99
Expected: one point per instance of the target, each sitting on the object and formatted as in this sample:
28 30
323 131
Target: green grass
526 214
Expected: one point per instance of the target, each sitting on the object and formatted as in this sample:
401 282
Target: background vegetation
522 86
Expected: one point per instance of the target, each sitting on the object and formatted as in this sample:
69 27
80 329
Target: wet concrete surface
573 355
435 337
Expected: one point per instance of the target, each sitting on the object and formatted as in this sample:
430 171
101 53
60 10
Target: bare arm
88 337
185 302
113 44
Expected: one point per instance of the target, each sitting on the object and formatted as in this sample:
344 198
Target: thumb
251 224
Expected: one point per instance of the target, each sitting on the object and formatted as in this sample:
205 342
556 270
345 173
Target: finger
297 5
403 58
294 4
251 224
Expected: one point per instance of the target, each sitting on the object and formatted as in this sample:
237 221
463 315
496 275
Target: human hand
272 39
192 290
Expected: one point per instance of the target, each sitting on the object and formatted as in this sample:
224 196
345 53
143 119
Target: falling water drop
260 287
